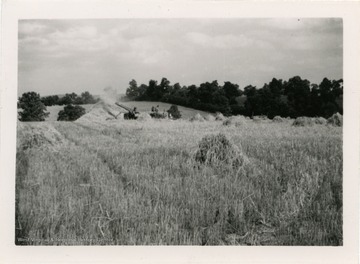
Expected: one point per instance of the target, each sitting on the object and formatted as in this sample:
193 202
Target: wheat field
137 183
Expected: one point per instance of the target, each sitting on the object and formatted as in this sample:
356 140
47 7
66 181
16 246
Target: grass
137 183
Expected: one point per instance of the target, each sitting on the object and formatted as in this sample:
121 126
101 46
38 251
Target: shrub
303 121
335 120
71 113
32 107
217 149
174 112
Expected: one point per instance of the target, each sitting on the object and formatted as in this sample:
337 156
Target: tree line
295 97
69 98
33 107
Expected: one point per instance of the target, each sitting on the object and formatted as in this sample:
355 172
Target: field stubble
137 183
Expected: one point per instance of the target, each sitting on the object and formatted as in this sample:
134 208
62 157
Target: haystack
320 120
120 116
303 121
217 150
144 117
260 118
220 117
278 119
227 122
39 135
335 120
239 120
197 117
209 117
100 112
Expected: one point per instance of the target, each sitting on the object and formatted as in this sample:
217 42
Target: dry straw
144 117
37 136
101 112
220 117
320 120
197 117
239 120
335 120
227 122
209 117
219 150
278 119
260 118
303 121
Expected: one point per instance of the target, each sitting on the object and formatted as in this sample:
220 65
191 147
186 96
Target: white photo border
12 11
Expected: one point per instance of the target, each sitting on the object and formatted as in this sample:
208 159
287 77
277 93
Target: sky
64 56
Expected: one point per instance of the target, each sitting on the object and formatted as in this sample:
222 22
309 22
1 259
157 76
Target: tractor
131 114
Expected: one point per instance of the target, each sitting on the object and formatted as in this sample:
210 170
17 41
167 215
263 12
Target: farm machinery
131 114
155 113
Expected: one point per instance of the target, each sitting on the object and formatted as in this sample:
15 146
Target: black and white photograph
180 132
209 132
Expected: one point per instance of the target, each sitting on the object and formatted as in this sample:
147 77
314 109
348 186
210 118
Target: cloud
65 54
286 24
84 32
68 42
221 41
33 42
293 24
78 39
31 28
148 50
300 42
